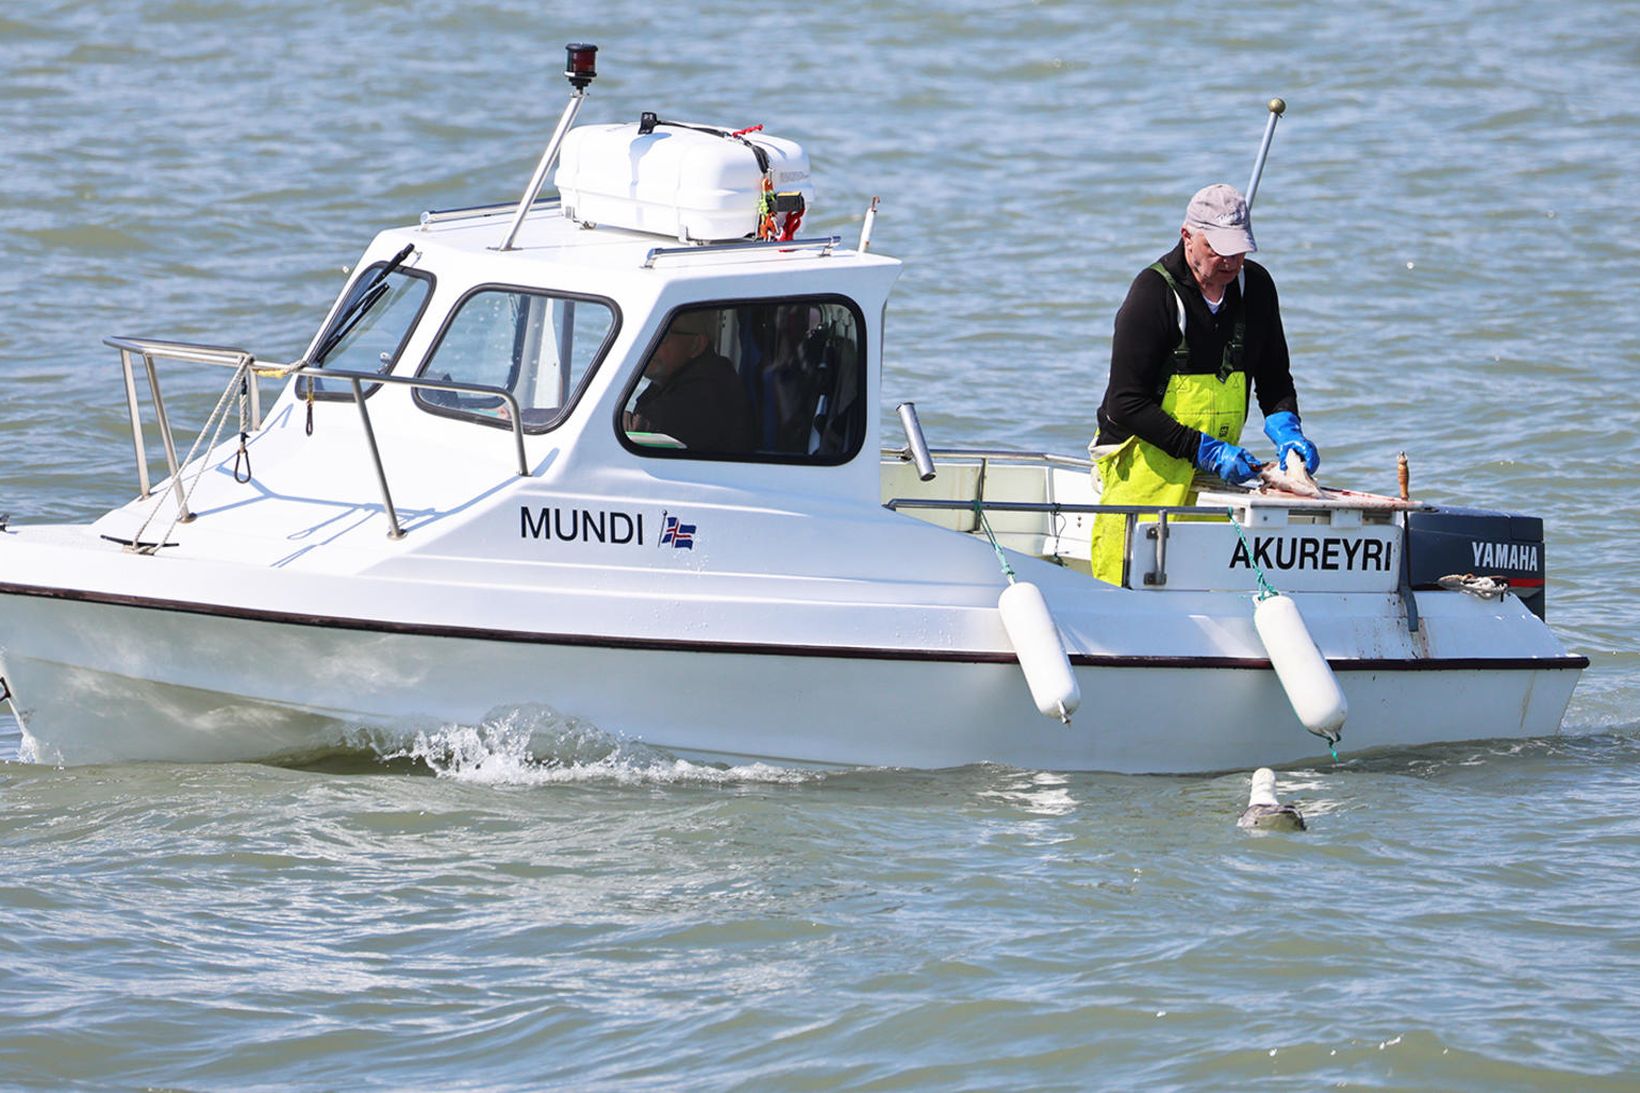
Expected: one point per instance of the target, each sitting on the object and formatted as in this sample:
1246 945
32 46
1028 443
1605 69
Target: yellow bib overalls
1138 472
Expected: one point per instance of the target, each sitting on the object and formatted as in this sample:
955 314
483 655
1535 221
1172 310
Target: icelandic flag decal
680 535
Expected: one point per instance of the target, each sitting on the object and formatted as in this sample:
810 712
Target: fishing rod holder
916 443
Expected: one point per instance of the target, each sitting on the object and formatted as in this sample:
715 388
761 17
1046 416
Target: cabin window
539 346
780 381
369 341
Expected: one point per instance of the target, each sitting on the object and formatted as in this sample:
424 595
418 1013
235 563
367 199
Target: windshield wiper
363 301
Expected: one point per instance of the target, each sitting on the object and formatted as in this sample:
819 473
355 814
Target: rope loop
214 423
1487 588
243 455
1007 570
1266 589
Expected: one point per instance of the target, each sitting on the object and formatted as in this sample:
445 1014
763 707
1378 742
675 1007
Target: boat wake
534 744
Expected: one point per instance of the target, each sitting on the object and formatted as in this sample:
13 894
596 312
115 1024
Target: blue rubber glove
1284 432
1229 462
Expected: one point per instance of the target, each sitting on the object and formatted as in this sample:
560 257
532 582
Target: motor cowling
1444 541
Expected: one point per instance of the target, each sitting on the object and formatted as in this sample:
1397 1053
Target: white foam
535 745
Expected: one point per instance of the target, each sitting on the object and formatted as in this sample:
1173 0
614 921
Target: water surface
1448 214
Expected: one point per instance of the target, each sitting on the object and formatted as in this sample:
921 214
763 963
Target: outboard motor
1444 541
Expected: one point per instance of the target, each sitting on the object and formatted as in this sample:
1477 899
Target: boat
485 483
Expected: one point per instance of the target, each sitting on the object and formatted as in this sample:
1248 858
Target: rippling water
1448 211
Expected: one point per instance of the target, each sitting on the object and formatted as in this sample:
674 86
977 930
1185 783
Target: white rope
1487 588
278 371
220 416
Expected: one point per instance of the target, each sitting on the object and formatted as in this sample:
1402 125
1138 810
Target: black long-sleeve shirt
703 406
1147 330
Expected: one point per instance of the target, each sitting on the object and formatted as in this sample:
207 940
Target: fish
1295 479
1264 812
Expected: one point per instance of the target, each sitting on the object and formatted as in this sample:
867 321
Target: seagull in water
1264 811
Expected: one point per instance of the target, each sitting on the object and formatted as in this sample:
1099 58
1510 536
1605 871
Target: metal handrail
1054 507
475 212
985 457
357 379
905 455
150 349
1130 513
515 412
196 352
826 243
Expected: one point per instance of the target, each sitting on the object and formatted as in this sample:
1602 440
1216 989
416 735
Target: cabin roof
547 239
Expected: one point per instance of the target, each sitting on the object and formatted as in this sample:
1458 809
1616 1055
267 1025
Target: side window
538 346
369 339
775 381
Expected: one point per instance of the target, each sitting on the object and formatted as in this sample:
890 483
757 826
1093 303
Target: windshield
377 335
537 345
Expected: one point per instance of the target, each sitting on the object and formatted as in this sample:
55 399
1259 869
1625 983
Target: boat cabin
611 350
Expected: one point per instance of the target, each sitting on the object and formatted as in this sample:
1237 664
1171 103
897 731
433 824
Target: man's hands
1237 465
1233 464
1284 432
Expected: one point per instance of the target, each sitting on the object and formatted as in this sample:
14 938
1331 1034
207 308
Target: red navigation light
581 64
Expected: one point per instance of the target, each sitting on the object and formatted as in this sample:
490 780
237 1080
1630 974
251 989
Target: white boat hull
101 682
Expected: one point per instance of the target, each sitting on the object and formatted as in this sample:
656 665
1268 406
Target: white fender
1304 673
1035 638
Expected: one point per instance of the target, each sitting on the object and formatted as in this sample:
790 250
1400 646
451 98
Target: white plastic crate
678 182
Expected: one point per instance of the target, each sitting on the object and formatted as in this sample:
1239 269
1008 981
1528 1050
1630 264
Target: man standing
1197 326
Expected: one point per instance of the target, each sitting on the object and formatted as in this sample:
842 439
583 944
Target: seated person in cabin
694 395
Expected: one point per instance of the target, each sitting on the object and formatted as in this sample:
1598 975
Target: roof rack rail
826 243
473 212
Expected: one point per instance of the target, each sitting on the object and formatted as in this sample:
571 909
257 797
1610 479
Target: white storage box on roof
674 181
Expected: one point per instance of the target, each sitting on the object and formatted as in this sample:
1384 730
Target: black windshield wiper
363 301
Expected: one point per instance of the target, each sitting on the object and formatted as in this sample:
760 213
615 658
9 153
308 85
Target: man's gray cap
1220 213
700 321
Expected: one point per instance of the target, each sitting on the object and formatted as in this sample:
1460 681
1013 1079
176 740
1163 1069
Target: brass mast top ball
1277 106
